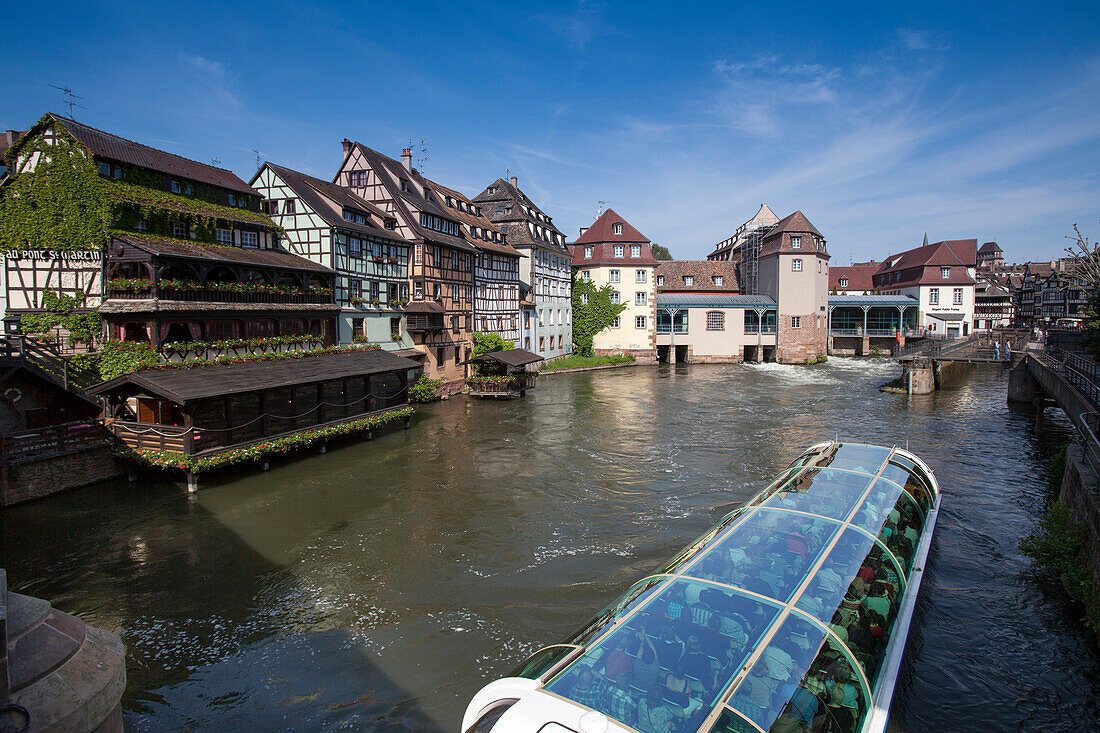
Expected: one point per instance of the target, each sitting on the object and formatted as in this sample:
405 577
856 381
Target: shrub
123 357
424 389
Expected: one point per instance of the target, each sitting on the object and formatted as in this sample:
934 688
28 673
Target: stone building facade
794 271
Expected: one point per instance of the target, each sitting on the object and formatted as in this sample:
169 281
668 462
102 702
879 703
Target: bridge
977 349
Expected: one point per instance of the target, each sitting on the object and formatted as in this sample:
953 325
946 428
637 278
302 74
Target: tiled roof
604 254
117 306
220 253
507 206
921 266
603 230
794 223
391 171
715 300
329 201
105 145
703 273
481 221
859 277
989 247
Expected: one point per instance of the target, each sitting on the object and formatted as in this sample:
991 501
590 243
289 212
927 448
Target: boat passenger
618 702
585 690
842 701
670 649
617 663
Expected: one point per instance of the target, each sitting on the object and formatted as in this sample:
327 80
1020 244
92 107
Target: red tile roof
602 230
921 266
859 277
703 273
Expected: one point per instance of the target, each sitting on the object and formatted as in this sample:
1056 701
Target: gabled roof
795 223
602 230
329 200
391 171
505 204
988 248
7 139
106 145
219 252
703 273
859 277
479 220
184 386
921 266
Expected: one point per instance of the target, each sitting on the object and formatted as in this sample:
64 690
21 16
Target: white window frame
250 239
588 253
933 296
227 238
843 282
660 280
635 251
957 296
617 228
614 297
945 272
639 322
689 280
716 321
796 321
639 276
618 251
796 265
613 276
639 298
796 242
615 322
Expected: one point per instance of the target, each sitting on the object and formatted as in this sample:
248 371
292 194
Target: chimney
515 182
583 230
347 146
407 158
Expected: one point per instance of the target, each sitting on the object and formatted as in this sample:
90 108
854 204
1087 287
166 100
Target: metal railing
665 328
766 328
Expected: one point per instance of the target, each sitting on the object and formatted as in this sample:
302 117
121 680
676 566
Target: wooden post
192 482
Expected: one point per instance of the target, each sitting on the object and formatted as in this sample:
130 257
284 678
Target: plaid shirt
589 696
618 704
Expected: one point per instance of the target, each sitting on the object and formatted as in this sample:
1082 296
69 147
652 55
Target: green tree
593 311
1086 266
485 342
660 252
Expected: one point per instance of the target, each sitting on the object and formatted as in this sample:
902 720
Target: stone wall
1081 493
950 373
21 482
805 343
643 356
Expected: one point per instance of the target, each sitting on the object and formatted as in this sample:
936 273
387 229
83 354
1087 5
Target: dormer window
617 228
588 253
719 280
843 282
635 250
427 193
176 188
796 242
618 250
232 200
689 280
405 186
945 272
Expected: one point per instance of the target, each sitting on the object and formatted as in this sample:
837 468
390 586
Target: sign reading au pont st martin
54 254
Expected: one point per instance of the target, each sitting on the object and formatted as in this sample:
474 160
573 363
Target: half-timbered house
544 267
331 225
441 272
171 249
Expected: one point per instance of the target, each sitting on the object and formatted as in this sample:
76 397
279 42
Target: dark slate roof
329 200
472 220
602 231
184 386
510 201
511 357
105 145
220 253
703 272
389 171
989 247
424 306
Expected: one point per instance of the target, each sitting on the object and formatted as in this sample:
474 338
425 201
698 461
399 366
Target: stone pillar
65 674
1022 387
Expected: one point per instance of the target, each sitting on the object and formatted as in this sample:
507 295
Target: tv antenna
69 97
258 159
600 210
215 162
421 154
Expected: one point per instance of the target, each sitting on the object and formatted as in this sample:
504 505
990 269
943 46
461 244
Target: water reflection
382 583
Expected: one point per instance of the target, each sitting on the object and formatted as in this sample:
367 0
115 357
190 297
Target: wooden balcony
217 295
506 389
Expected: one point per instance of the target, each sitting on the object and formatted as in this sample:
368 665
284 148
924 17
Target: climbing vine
61 205
82 327
593 311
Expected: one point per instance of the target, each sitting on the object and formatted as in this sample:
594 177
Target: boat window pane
637 594
912 481
806 457
731 721
541 661
893 516
693 549
663 668
800 676
828 492
865 458
844 579
769 553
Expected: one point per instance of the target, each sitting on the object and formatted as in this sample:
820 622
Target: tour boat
790 615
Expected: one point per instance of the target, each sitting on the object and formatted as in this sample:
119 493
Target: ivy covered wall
593 316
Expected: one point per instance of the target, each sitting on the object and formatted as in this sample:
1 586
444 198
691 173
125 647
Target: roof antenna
258 160
422 154
600 211
215 162
69 97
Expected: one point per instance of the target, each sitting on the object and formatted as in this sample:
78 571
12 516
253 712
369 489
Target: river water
379 585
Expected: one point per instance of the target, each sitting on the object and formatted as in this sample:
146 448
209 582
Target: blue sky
877 121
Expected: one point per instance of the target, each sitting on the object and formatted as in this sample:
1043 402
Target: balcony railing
754 328
52 441
216 295
665 328
871 332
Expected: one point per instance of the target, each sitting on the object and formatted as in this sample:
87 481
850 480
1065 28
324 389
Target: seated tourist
647 667
697 663
677 603
586 690
842 701
618 702
670 648
877 600
655 714
617 662
798 716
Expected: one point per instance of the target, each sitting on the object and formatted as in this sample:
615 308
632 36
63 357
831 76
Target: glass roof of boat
783 610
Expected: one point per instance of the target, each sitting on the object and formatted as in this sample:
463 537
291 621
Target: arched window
716 321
